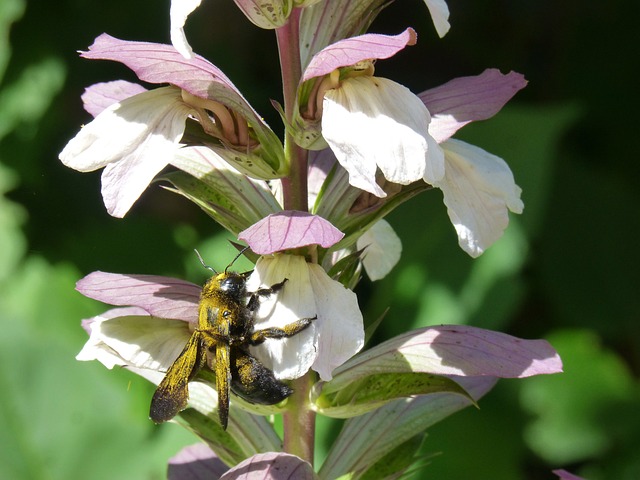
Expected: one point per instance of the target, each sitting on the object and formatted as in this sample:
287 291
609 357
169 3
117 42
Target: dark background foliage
564 271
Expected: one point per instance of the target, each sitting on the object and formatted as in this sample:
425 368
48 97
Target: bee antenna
236 257
204 264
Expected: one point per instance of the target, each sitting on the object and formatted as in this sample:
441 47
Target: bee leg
254 299
289 330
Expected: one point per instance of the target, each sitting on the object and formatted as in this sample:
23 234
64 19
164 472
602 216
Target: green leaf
228 196
373 391
366 439
347 269
210 430
396 462
208 199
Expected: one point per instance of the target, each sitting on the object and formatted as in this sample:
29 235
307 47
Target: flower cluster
311 208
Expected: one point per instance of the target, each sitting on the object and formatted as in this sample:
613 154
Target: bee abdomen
254 382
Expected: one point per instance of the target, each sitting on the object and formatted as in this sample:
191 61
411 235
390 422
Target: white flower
373 122
382 249
479 190
440 15
334 337
178 13
134 140
130 337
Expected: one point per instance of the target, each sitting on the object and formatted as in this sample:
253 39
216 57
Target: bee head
232 283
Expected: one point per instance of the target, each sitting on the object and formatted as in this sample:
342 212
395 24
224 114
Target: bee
226 317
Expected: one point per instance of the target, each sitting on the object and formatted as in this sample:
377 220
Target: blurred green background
567 269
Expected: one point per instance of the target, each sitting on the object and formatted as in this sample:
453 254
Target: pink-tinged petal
99 96
440 15
455 350
162 297
195 462
564 475
353 50
158 63
467 99
320 164
290 229
271 466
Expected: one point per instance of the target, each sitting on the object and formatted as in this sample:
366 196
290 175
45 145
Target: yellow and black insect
226 316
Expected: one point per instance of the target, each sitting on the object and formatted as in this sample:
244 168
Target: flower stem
300 421
295 184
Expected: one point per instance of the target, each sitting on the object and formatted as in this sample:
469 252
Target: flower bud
268 14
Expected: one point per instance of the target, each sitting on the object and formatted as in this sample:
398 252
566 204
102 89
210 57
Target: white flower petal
118 130
440 15
178 13
336 334
134 139
372 122
292 357
137 341
435 163
340 326
382 249
478 189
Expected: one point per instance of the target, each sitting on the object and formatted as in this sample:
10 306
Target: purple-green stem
299 419
294 185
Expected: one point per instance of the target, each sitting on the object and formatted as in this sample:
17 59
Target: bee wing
223 380
172 394
223 361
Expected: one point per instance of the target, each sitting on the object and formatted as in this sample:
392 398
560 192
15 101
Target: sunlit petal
290 229
467 99
336 334
479 190
371 123
350 51
382 249
292 357
440 15
180 10
119 339
340 325
134 139
100 96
